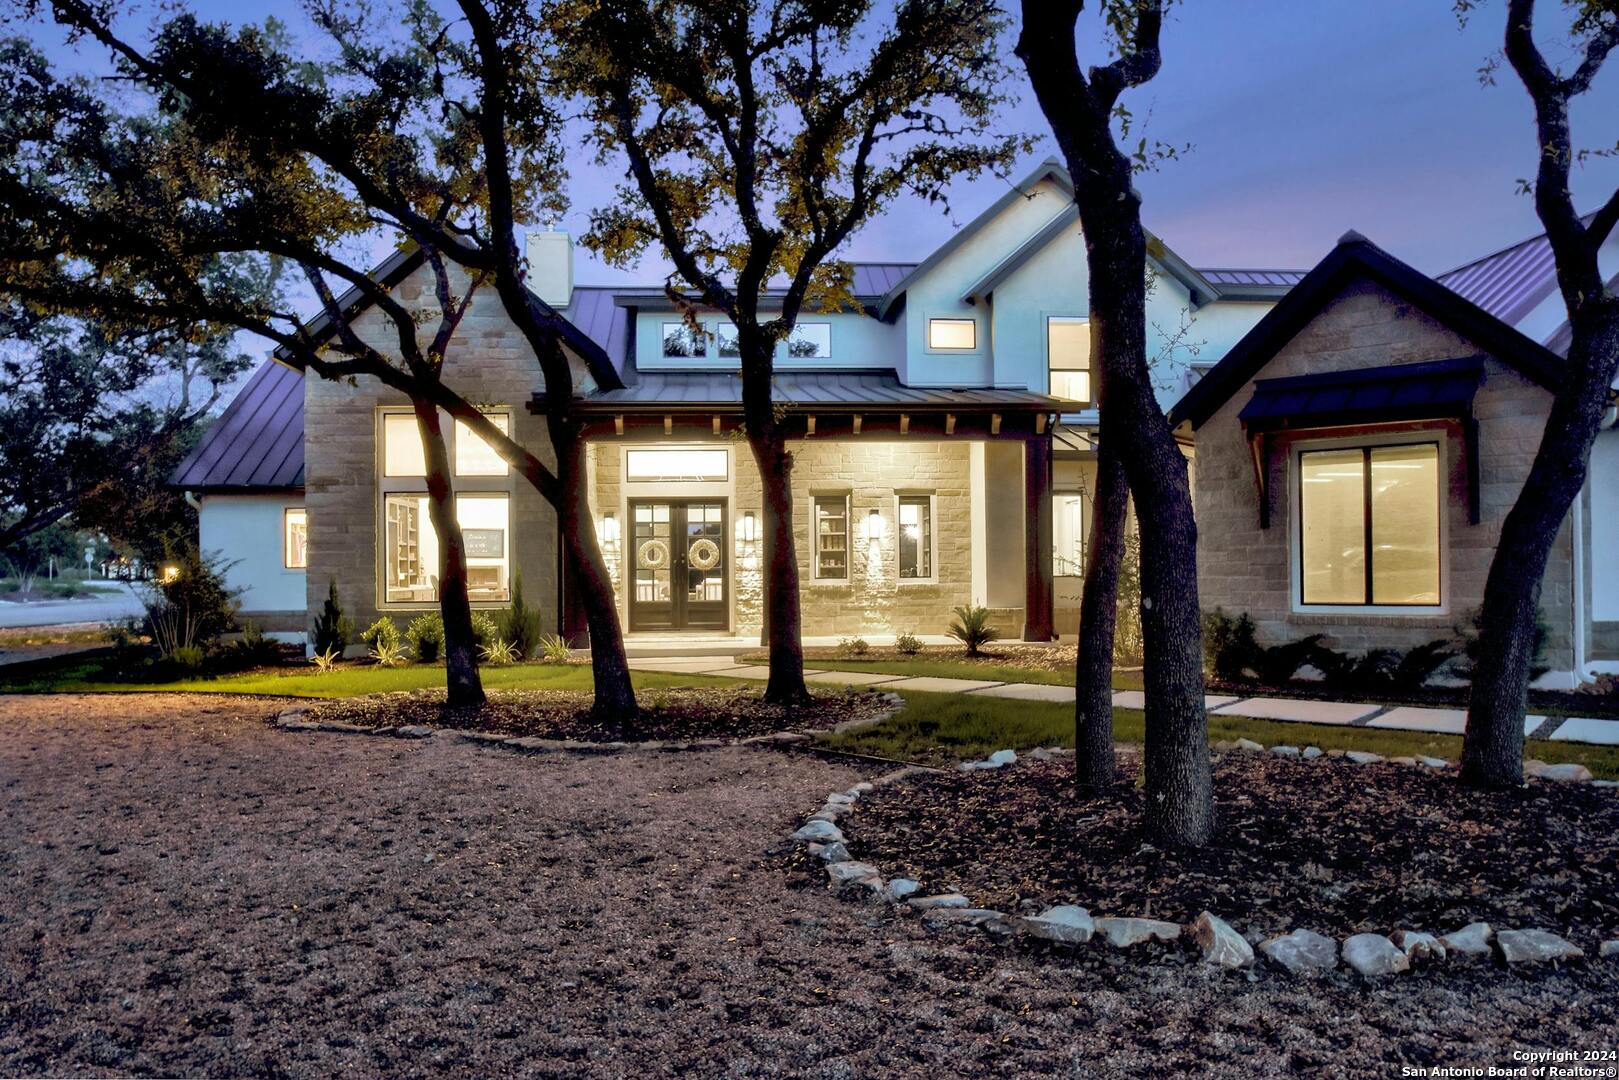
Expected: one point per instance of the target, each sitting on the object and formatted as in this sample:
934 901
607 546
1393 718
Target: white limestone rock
1067 923
1567 772
1419 946
1285 751
1221 945
1250 745
1363 757
940 900
1301 952
1374 955
840 798
862 788
1311 753
836 851
841 874
1608 950
1123 933
1535 947
1471 940
1003 757
899 888
994 921
818 832
1433 762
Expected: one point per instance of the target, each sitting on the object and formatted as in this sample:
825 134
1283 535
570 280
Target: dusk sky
1305 119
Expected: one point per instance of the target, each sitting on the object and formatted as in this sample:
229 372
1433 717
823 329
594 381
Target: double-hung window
1369 526
915 541
831 518
1068 356
409 559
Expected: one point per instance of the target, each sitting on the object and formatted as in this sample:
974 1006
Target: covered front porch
907 502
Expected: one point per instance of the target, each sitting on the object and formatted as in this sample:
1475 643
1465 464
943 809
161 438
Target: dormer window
1068 355
725 340
952 335
810 341
680 340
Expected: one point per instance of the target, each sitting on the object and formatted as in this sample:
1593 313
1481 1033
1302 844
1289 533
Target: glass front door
678 553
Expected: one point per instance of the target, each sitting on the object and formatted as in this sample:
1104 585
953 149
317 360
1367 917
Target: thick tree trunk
615 695
1094 765
783 613
1492 748
1179 784
462 682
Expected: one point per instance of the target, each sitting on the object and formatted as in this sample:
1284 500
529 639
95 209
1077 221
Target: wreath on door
652 555
704 554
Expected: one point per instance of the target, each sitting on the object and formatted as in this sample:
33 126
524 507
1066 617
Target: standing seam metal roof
257 444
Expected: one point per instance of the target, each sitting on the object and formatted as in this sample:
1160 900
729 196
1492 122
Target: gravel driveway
187 891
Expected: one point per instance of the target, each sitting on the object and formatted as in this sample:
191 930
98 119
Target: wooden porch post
1038 586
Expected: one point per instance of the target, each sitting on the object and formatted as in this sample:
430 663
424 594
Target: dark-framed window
831 528
1370 526
1068 356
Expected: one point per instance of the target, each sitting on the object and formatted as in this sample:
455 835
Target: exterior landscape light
750 527
171 572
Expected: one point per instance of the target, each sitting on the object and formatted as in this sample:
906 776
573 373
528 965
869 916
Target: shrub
971 627
1419 665
189 605
908 645
1230 651
333 629
1129 644
498 653
1278 664
251 650
326 662
554 649
188 658
853 647
382 632
484 631
425 636
521 623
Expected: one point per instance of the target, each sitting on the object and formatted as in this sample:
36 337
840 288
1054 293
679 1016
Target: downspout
193 502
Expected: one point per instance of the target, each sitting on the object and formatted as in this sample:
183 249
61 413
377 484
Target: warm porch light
875 528
171 572
610 529
750 527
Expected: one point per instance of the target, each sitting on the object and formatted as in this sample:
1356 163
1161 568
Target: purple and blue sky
1305 117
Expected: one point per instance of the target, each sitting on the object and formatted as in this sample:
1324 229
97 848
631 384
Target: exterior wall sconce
750 527
875 527
610 530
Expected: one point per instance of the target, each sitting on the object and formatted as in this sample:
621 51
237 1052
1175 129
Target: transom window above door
1369 526
1068 355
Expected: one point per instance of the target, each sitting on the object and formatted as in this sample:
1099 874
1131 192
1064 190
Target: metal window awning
1388 394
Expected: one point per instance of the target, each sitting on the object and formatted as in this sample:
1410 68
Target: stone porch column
1038 587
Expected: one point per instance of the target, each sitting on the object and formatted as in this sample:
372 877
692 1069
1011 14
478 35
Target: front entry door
678 552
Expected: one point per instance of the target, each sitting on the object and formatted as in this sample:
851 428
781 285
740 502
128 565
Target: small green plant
554 649
521 623
188 658
425 636
326 662
971 627
1230 651
659 700
853 647
907 644
498 653
333 629
387 655
484 631
251 650
382 632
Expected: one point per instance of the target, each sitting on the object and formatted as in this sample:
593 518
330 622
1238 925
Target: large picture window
1370 526
295 538
411 547
1068 353
915 537
831 537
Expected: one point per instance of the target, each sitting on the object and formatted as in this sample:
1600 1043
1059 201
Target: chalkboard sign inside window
485 543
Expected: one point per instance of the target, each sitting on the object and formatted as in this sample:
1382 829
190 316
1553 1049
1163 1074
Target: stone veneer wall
489 363
872 602
1242 567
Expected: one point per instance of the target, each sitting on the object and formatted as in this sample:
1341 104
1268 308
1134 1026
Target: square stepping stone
1299 711
681 664
743 671
1588 730
1129 699
1410 718
930 685
1214 701
850 678
1029 692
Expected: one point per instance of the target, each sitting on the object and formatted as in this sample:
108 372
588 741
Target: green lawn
91 677
968 669
944 728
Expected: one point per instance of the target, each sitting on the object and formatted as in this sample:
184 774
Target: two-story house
943 445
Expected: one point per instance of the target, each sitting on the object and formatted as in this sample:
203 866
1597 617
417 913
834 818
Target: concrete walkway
1293 710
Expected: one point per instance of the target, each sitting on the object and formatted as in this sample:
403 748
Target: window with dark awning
1434 390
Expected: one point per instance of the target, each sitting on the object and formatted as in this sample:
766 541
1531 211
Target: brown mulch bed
710 713
1325 844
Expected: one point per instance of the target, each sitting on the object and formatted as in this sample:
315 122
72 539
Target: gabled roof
257 444
404 262
1201 287
1354 258
857 389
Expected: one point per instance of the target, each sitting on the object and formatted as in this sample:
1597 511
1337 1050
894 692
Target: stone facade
873 602
489 362
1243 568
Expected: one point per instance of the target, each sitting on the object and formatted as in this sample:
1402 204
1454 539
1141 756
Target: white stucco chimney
550 267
